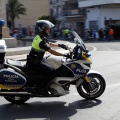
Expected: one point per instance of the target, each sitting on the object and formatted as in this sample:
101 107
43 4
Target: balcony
70 1
91 3
57 3
71 13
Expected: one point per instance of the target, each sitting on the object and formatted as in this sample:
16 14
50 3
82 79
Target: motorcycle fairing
59 82
94 72
54 61
77 69
63 80
9 79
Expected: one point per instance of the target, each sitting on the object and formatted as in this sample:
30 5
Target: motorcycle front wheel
16 99
94 89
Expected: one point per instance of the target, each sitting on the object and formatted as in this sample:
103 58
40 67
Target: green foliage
14 9
50 18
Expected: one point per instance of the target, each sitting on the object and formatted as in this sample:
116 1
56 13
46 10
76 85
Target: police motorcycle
18 83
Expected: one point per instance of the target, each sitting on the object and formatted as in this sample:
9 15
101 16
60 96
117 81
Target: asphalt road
72 106
106 46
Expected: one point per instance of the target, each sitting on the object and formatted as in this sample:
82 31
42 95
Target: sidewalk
17 51
97 40
24 48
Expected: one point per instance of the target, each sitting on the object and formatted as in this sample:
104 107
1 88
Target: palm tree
14 9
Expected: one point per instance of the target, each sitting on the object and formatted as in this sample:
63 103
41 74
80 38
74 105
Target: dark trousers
45 70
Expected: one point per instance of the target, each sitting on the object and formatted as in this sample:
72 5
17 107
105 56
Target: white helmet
42 25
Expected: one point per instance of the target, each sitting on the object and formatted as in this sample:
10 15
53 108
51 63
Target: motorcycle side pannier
9 79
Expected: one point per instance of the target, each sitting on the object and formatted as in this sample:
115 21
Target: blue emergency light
1 24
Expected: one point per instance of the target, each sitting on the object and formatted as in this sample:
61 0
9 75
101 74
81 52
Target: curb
17 51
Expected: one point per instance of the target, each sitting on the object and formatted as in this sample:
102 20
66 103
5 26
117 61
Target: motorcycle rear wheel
98 83
16 99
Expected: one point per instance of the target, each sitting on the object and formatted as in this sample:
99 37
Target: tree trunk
13 23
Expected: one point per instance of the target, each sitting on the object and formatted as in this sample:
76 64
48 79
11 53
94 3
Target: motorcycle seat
22 65
15 63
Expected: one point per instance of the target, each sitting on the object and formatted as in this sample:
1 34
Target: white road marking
94 48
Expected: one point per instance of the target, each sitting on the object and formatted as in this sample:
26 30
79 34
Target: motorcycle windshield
78 40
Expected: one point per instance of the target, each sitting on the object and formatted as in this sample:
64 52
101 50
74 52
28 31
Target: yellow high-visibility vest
36 42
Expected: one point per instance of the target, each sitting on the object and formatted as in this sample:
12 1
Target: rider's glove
63 46
68 56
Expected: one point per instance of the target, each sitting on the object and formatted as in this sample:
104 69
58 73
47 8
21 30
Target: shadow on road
54 110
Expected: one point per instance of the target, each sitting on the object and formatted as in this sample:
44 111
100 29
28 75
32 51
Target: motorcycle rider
40 45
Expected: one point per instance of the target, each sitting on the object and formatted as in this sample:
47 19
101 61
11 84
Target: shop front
115 25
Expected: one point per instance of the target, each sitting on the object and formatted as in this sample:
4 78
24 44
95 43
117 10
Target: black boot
44 92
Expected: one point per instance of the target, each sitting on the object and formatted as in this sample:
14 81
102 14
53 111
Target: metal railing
71 12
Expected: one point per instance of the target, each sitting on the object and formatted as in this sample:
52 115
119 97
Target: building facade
68 14
102 14
5 30
3 10
34 9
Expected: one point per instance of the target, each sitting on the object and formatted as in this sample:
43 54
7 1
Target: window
93 25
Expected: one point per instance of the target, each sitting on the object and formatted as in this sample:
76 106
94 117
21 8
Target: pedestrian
111 33
15 34
101 34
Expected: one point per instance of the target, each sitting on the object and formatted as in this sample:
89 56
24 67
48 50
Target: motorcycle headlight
79 53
